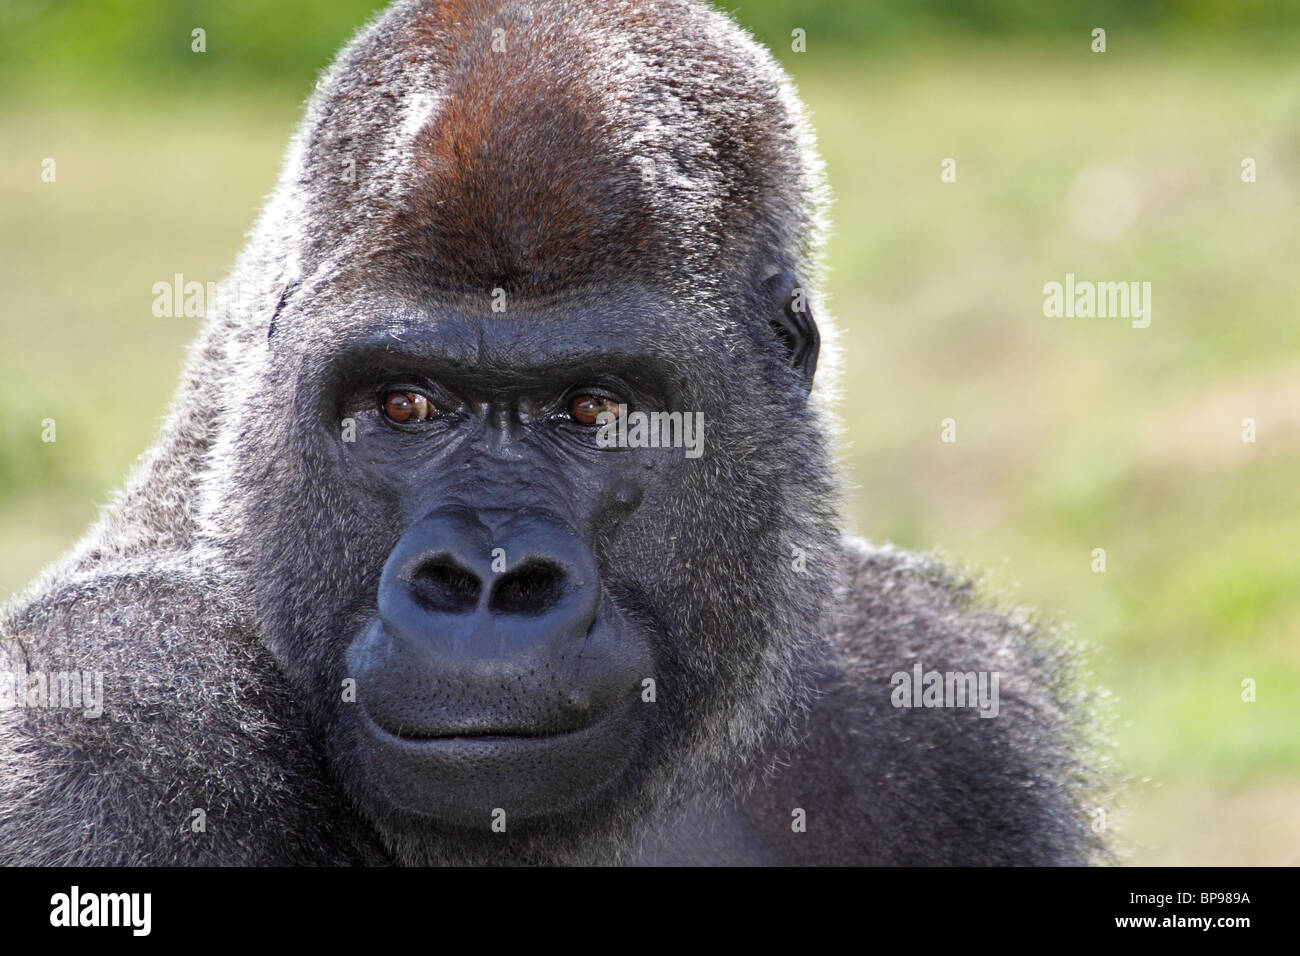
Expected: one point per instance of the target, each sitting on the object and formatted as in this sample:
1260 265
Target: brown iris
407 406
586 408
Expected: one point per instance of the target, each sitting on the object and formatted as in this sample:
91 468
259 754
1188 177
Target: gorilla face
498 669
487 608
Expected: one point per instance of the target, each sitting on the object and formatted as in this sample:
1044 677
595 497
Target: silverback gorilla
385 591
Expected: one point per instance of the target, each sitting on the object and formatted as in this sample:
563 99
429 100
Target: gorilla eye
407 407
586 408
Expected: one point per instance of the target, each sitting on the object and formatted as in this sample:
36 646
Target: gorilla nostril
531 589
443 585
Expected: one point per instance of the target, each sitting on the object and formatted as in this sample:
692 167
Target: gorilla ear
285 293
790 316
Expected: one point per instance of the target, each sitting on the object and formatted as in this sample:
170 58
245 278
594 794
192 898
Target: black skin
517 685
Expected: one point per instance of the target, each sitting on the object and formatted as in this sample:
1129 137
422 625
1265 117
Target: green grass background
1073 434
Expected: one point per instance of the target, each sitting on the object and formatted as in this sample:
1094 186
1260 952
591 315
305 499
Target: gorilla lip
499 734
451 778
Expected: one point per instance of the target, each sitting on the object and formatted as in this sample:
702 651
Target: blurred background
1072 434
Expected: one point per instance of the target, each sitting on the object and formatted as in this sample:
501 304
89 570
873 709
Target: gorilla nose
487 627
463 586
446 585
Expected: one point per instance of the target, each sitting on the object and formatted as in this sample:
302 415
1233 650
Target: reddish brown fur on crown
515 184
531 173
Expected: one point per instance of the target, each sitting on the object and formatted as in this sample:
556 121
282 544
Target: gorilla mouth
459 773
480 730
522 734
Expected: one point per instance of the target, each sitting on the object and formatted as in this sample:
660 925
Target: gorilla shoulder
876 781
149 727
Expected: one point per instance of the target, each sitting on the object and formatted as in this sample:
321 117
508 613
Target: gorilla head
500 227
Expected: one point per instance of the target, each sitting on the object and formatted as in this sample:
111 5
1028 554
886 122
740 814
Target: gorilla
386 591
